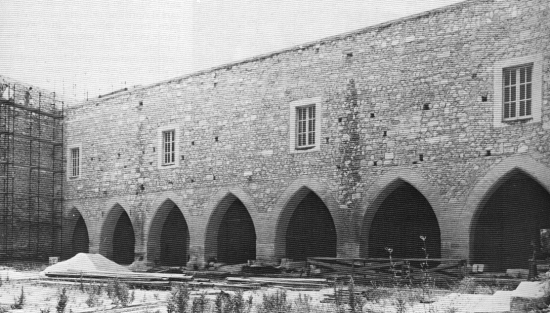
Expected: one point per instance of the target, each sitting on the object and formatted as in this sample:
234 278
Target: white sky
97 46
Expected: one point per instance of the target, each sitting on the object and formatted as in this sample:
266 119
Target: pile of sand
86 262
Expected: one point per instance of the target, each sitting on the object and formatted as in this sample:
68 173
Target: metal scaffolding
31 174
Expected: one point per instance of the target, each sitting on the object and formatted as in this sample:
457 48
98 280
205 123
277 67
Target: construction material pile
95 268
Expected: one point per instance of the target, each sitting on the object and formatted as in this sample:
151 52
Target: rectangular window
75 162
168 147
517 92
305 127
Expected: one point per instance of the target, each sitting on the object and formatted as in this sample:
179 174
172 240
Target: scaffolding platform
31 174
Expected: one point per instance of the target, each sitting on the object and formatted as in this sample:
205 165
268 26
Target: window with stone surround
305 126
74 161
517 91
167 146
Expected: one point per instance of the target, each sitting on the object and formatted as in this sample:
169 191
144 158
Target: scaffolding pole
31 174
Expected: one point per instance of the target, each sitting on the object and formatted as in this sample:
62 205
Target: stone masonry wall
422 85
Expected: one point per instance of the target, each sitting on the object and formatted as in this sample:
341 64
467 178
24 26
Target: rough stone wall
390 93
29 215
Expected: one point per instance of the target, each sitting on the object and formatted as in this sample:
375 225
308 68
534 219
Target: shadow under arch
507 221
389 216
78 237
488 184
230 233
168 236
118 236
305 206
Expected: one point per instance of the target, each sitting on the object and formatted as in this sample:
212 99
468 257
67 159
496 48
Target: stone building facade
433 125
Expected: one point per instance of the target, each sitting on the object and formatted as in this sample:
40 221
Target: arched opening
508 222
123 240
310 231
236 235
402 217
168 242
81 241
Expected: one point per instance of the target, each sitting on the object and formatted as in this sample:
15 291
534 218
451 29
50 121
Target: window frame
168 147
312 125
161 148
500 69
71 161
515 95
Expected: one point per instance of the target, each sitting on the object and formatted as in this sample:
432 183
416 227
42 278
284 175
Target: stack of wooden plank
155 280
290 283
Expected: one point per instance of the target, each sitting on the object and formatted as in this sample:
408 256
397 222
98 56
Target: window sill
168 166
305 150
522 120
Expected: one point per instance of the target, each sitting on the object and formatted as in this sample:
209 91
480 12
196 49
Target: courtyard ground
43 296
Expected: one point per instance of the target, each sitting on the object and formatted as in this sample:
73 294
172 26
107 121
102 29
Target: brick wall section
443 59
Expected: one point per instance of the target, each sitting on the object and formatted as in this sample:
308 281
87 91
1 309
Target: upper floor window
517 87
75 162
305 125
517 92
169 147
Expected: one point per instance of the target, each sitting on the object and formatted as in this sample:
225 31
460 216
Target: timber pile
292 283
443 271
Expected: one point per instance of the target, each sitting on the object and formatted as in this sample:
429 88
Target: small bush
275 303
19 302
219 302
355 302
62 302
178 299
93 296
303 304
468 285
119 293
200 304
339 298
227 303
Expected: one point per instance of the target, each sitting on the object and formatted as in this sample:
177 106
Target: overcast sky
97 46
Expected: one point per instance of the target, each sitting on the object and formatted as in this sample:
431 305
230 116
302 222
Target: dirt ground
43 297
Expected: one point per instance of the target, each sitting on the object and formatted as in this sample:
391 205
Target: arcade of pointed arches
400 199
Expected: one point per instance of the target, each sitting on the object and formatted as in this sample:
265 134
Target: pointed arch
168 236
385 186
286 206
497 183
117 231
231 203
78 234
